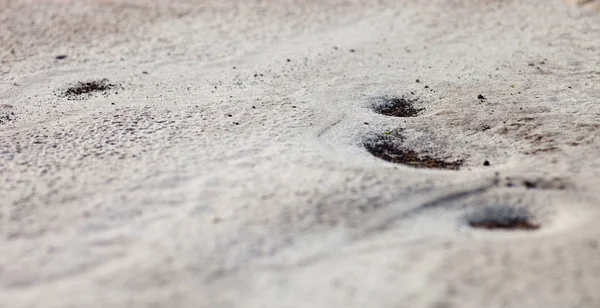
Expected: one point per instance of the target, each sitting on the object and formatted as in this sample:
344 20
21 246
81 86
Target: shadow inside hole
396 107
390 149
503 218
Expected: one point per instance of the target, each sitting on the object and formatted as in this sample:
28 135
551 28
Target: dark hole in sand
389 150
6 113
502 218
512 224
86 88
7 117
396 107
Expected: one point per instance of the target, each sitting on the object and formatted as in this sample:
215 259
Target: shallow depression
396 107
389 147
502 217
83 89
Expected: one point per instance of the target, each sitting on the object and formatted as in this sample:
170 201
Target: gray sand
225 165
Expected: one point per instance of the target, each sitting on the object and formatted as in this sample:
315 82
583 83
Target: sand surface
224 162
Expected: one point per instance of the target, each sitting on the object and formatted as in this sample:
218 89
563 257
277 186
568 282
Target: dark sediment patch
391 150
555 183
511 224
396 107
6 113
502 218
85 89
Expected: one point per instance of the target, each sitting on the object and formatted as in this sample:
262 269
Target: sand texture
343 153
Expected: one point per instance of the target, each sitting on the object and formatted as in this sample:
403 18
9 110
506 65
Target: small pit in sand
87 88
6 113
502 218
390 149
396 107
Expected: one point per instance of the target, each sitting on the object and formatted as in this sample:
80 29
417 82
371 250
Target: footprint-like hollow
396 107
390 147
502 218
82 89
